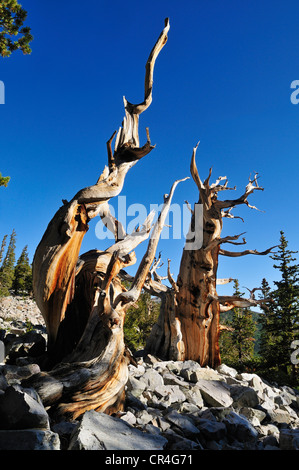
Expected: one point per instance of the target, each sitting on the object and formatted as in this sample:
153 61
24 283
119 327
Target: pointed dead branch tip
228 302
228 239
246 252
250 188
224 281
193 169
228 214
207 181
170 277
111 161
189 207
252 291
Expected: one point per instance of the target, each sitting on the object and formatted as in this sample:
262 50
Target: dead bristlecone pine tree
189 323
81 297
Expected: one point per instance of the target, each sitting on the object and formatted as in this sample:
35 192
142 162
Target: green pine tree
13 34
139 321
3 244
7 268
237 343
4 180
280 325
22 282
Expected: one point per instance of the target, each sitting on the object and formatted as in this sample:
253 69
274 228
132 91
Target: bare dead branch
229 215
246 252
147 260
224 281
170 278
250 188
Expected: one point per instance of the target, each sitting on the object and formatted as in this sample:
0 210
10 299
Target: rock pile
170 405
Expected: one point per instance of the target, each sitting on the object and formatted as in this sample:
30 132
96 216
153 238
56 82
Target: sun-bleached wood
81 297
189 323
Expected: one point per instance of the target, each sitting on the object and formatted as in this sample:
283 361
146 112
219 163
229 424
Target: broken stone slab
172 379
172 391
289 439
279 416
192 372
135 386
2 352
240 428
16 374
194 396
215 393
177 442
129 418
98 431
284 398
29 439
182 422
19 410
136 371
255 416
226 370
152 379
243 396
212 430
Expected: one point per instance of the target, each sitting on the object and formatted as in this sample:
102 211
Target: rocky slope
170 406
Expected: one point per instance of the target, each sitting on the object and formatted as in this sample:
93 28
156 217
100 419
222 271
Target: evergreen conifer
7 268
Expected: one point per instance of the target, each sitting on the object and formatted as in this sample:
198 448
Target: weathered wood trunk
81 297
189 322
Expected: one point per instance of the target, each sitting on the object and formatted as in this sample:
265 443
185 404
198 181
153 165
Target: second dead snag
189 323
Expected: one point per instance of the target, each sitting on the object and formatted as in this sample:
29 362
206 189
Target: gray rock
215 393
3 382
29 439
152 379
284 398
171 391
192 372
194 396
171 379
254 415
129 418
244 396
177 442
279 416
98 431
270 440
289 439
212 430
2 352
19 410
143 417
240 427
187 407
226 370
15 374
183 422
135 386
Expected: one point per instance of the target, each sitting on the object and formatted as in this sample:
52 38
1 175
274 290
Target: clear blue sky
223 78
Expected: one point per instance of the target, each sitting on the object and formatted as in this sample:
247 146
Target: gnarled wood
189 323
81 298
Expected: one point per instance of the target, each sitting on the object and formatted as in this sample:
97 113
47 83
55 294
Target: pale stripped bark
189 322
81 298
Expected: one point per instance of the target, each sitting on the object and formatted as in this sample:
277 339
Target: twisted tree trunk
81 298
189 323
